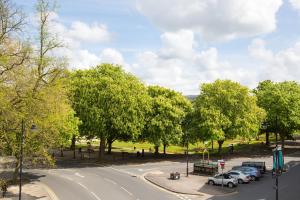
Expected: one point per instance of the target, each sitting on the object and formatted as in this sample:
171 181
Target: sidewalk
191 185
196 185
30 191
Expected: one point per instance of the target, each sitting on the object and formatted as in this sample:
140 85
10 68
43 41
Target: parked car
253 172
227 180
261 166
240 176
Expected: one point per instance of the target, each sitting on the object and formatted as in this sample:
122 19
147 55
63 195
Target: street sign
222 164
278 160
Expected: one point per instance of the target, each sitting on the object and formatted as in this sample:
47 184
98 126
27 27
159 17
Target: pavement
196 185
191 185
31 191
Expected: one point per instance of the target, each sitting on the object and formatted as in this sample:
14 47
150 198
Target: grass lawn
131 147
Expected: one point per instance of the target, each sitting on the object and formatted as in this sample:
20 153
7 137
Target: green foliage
282 104
164 124
35 91
111 103
225 109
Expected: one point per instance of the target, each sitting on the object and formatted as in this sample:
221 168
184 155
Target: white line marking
111 181
127 191
82 185
66 177
98 198
123 171
77 174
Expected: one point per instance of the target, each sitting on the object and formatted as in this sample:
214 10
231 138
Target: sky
181 44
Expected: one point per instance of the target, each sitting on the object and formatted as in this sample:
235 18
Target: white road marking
79 175
111 181
82 185
127 191
66 177
98 198
183 197
123 171
149 169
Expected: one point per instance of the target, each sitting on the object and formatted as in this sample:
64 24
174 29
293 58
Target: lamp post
33 128
187 154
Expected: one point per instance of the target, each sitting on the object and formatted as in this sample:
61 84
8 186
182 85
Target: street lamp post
33 128
21 160
187 159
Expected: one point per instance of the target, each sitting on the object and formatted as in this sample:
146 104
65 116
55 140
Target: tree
111 104
282 104
35 91
164 123
225 109
13 50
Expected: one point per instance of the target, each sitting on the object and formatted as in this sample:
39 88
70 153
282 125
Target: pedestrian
143 152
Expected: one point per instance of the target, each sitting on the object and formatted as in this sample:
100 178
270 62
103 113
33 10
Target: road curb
50 192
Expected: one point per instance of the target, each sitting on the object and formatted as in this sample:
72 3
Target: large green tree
282 104
34 91
111 104
225 109
164 122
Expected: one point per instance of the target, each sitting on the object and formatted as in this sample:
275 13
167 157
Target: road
289 185
124 182
100 183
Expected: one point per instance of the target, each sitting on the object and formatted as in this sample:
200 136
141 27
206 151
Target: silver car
240 176
227 180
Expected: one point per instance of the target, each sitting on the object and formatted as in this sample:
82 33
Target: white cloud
89 33
177 44
213 19
280 66
76 35
295 4
172 67
110 55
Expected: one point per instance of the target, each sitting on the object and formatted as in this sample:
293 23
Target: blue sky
181 45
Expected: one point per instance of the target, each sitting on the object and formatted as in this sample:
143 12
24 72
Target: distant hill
191 97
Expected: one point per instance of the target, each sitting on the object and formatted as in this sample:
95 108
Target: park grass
133 147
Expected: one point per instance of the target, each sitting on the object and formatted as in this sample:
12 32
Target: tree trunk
61 151
16 171
72 147
220 143
267 138
165 146
109 147
156 150
282 141
101 148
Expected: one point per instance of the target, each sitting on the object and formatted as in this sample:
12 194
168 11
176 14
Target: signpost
222 164
278 163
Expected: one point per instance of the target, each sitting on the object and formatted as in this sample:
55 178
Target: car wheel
210 182
240 181
230 185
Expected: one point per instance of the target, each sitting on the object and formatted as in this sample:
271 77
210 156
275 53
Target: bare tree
49 68
13 52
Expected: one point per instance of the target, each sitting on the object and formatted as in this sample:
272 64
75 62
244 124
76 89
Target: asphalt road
100 183
289 188
123 182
